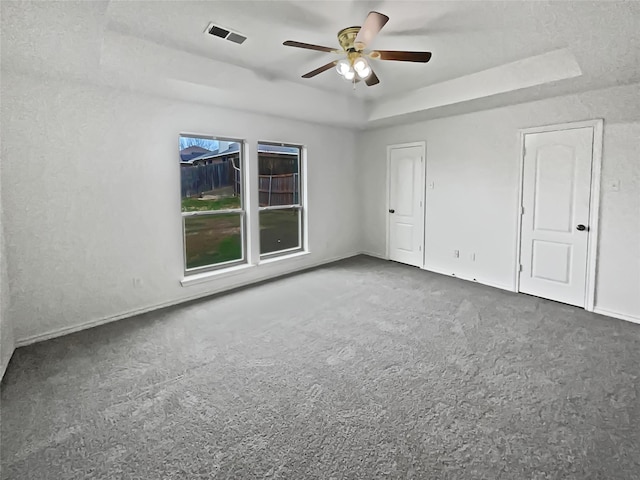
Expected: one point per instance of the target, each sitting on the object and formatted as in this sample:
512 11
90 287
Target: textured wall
473 162
91 181
6 325
93 201
618 282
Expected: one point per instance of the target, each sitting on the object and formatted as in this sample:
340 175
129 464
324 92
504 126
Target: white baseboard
470 279
448 274
131 313
376 255
621 316
138 311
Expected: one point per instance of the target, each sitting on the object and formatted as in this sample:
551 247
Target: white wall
618 276
6 326
473 162
91 194
91 199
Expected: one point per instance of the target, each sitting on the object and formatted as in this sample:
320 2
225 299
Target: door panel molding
423 177
597 126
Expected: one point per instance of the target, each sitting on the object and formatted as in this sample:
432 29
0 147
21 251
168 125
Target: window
213 215
280 198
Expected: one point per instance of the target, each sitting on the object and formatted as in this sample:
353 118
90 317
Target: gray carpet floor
363 369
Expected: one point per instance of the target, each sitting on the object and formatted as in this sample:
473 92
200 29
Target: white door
406 207
555 230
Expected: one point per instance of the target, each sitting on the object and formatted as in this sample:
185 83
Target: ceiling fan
354 40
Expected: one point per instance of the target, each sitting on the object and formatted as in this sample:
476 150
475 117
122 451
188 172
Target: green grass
200 205
278 230
212 239
229 249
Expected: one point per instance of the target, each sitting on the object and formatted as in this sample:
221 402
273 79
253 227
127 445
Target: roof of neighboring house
189 153
235 148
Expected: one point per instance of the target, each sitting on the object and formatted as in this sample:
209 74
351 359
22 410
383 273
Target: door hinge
420 202
520 268
524 150
419 248
521 210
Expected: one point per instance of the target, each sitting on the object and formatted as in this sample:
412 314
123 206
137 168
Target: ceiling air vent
218 31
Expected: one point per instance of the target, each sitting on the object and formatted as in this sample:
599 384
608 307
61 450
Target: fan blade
401 56
308 46
372 25
372 79
321 69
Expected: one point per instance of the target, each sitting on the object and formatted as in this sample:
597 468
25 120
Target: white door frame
423 145
594 201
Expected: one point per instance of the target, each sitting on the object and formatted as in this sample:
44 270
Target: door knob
581 227
391 210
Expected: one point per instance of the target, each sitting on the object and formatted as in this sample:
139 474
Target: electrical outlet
456 254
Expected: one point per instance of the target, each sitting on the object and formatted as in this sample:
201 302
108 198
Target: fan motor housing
347 37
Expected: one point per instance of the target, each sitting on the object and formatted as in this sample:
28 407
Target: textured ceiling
465 37
165 40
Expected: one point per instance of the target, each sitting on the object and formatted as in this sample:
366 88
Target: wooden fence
273 189
278 189
203 178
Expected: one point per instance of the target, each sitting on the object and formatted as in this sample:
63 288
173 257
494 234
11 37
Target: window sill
204 277
277 258
214 275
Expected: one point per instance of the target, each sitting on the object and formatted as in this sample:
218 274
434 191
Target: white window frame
242 211
300 206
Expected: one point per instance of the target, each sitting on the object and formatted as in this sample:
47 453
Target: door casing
594 202
423 146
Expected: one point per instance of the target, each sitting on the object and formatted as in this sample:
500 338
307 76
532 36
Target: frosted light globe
343 66
364 72
360 64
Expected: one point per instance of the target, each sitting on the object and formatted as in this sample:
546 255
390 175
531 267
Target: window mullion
280 207
212 212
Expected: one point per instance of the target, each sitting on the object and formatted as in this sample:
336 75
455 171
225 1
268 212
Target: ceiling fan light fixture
364 73
360 64
353 41
350 74
343 66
